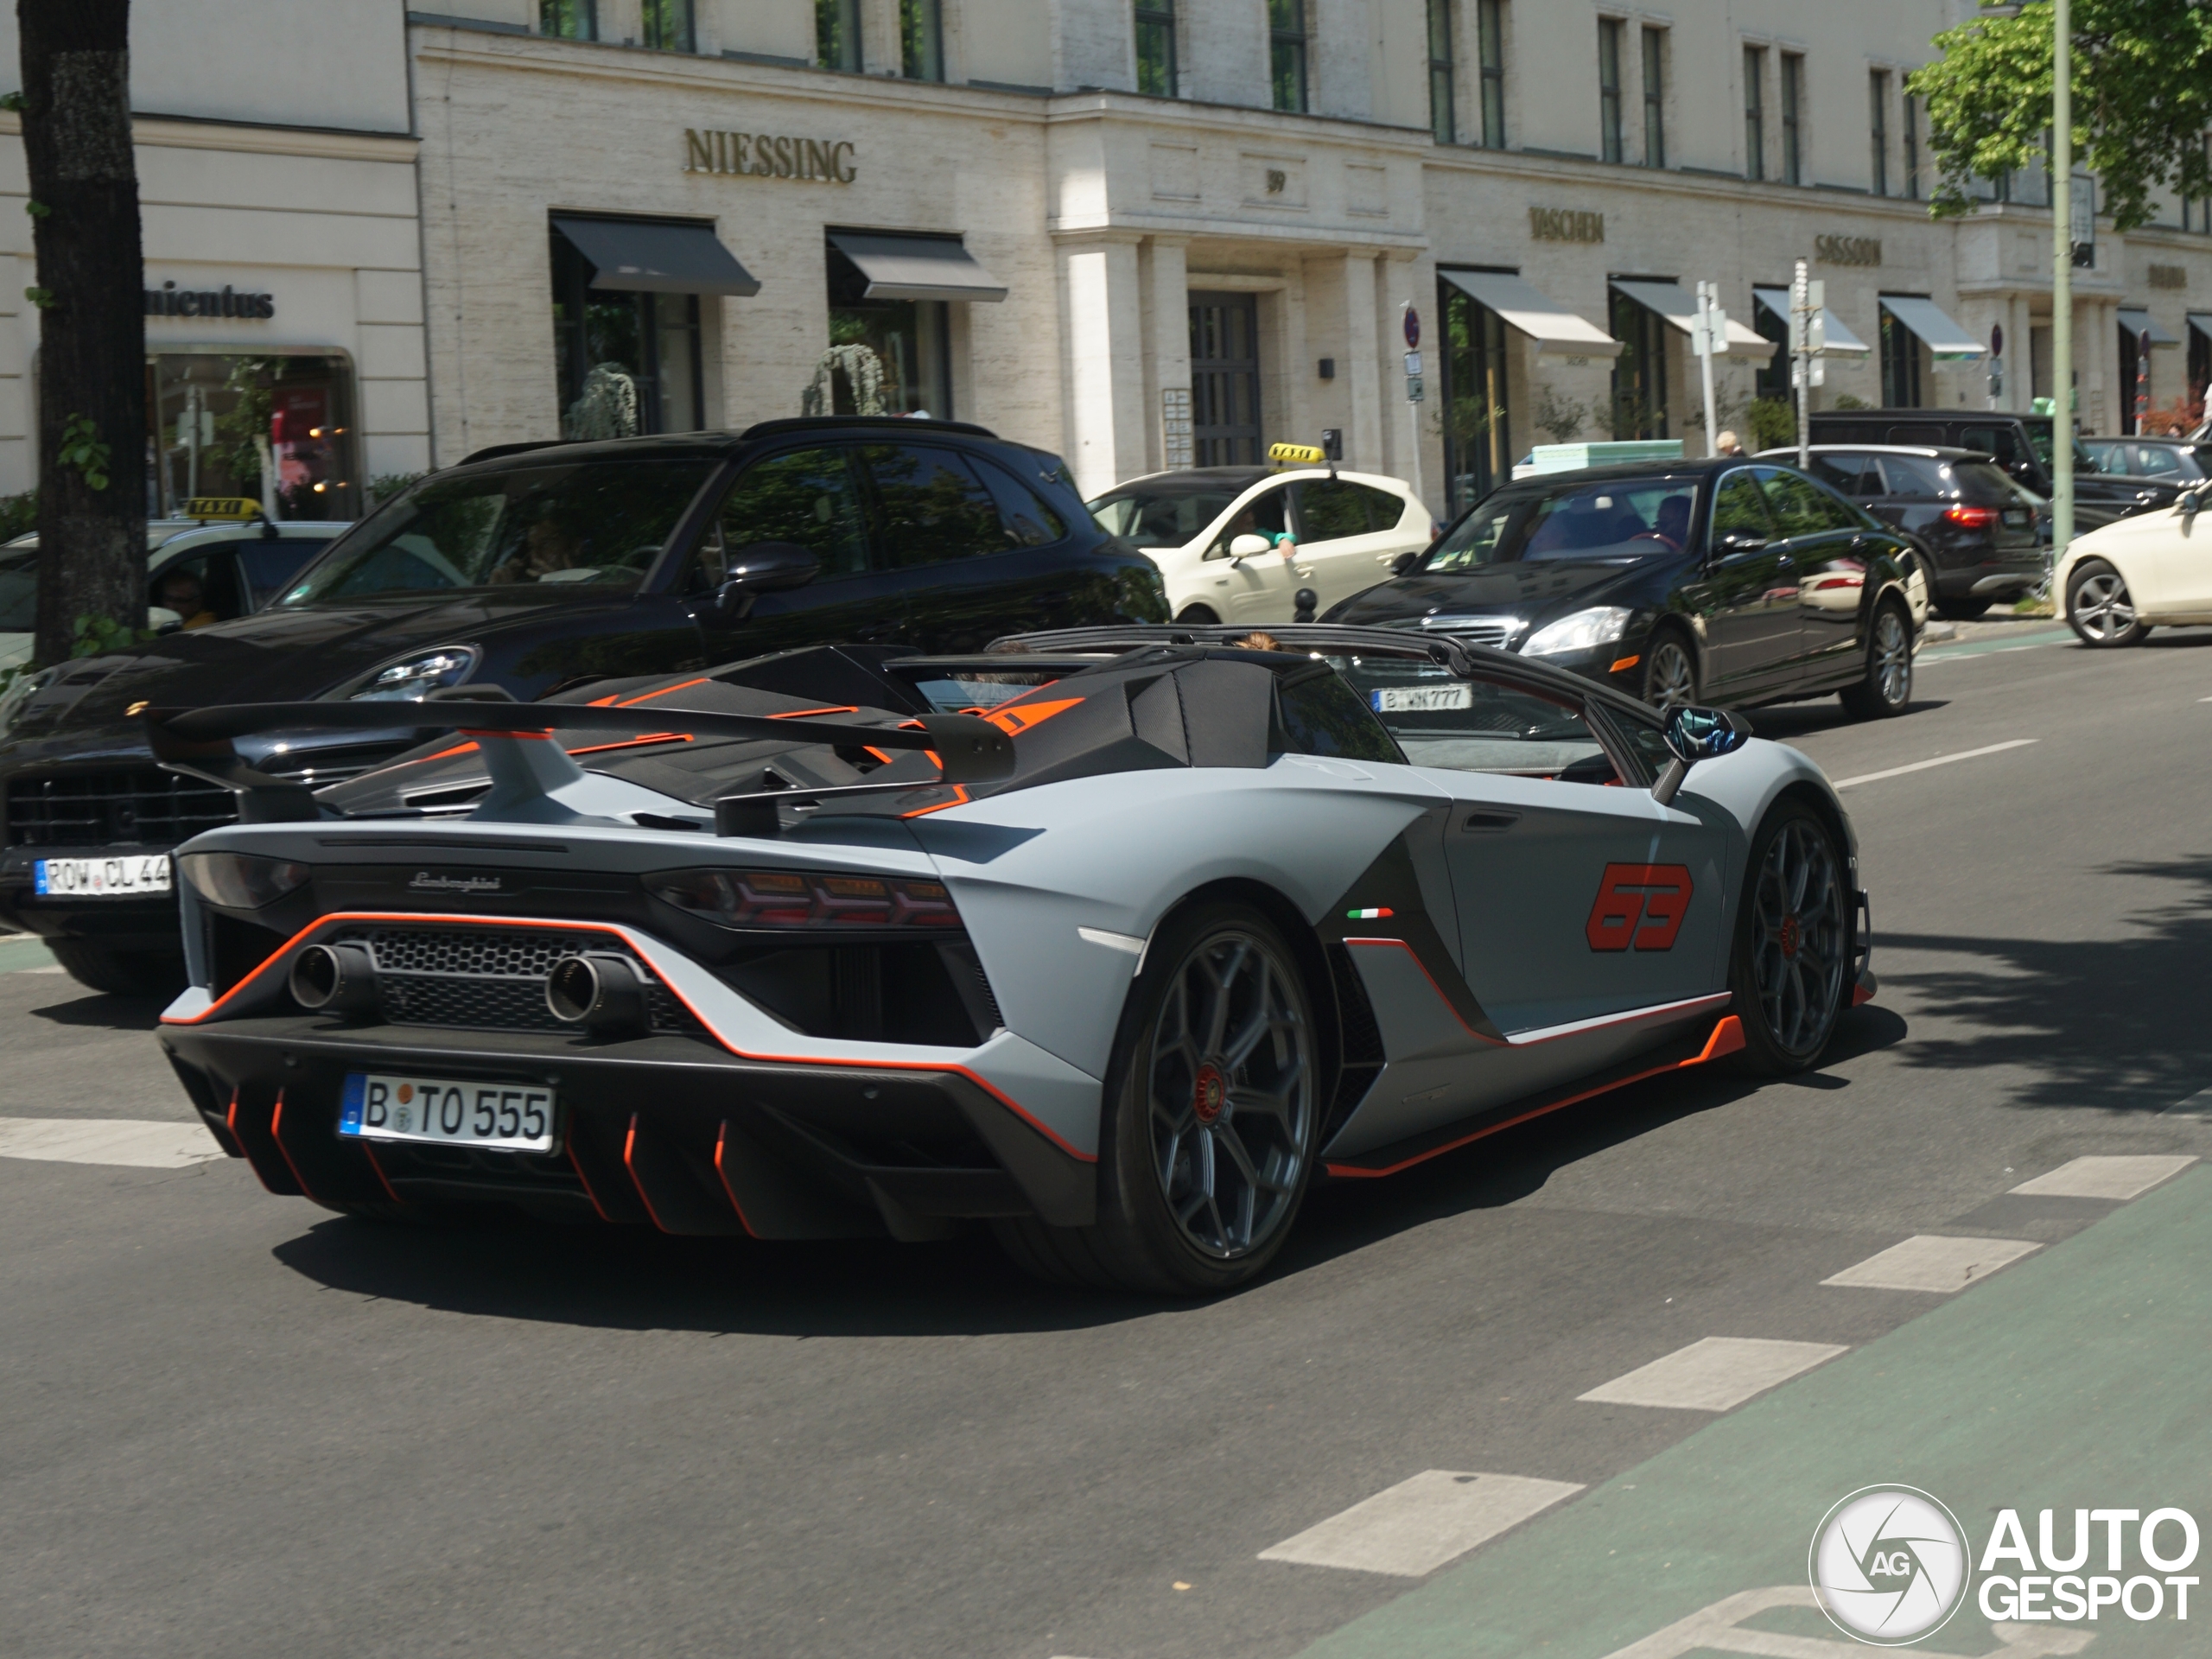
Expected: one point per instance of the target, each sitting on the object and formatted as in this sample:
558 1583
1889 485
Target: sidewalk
2077 1378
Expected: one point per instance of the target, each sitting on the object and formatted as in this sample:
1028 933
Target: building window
1655 98
1439 73
1793 94
921 39
1877 130
1490 26
1609 89
1771 379
838 35
568 20
1912 150
274 427
1477 429
1755 112
1286 53
1156 47
1900 364
627 363
894 356
1640 372
668 25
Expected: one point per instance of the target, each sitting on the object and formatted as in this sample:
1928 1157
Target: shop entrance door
1224 379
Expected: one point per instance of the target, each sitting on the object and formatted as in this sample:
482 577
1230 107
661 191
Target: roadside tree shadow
2114 1024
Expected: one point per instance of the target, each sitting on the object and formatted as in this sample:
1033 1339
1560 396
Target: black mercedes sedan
537 568
1679 582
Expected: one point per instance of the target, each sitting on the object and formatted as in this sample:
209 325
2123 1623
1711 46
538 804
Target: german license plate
1403 699
101 878
449 1111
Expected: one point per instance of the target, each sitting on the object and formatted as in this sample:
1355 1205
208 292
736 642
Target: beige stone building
284 277
1146 233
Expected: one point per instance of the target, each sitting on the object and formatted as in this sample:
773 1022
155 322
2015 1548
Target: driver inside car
548 547
179 590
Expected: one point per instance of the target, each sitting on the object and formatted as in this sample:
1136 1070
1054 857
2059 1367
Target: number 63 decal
1641 904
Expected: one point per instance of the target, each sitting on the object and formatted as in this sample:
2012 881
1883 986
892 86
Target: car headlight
811 899
1599 626
412 678
241 881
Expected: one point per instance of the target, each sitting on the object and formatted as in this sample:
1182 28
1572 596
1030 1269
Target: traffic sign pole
1415 391
1702 339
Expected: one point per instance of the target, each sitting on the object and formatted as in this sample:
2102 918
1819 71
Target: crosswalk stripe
2116 1177
1926 1262
130 1142
1410 1529
1713 1374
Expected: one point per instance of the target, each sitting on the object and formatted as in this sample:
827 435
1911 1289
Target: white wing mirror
1249 546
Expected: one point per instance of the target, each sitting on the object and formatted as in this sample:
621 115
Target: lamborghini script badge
425 881
1639 904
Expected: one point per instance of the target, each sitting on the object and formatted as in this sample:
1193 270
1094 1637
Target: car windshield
1474 724
1152 516
19 592
1620 518
595 523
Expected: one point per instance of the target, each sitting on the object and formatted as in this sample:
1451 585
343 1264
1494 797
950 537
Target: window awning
2138 321
641 256
917 267
1841 339
1945 339
1679 306
1554 329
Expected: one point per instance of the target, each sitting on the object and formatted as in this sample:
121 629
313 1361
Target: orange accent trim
270 962
647 696
230 1119
633 742
802 714
1625 663
276 1134
960 790
877 752
600 702
1015 718
576 1164
1860 996
545 736
629 1143
1727 1038
720 1136
377 1164
442 755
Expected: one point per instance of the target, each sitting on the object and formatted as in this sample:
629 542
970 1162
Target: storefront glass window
1477 429
1900 364
886 357
277 429
627 363
1640 372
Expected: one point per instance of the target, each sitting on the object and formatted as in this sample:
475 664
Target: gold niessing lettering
765 155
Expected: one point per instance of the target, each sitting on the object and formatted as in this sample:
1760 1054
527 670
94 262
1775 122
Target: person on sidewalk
1728 444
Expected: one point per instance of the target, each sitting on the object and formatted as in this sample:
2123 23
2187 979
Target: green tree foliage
2142 101
1773 421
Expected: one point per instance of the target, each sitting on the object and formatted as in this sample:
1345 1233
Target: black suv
537 567
2021 445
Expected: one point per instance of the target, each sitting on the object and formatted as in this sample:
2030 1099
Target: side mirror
1694 734
1404 562
2189 503
1249 546
161 619
762 568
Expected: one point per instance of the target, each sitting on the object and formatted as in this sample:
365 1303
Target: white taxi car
1238 543
2149 569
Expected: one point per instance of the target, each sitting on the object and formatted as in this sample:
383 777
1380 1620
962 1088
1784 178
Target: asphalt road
232 1424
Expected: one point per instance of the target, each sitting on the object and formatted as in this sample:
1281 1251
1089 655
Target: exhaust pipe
334 979
600 991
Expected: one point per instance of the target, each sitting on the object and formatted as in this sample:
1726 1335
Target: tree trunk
92 365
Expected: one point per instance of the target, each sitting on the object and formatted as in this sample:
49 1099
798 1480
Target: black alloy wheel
1790 967
1669 671
1885 687
1214 1106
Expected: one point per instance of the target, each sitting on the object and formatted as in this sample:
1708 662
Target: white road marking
1714 1373
1416 1526
132 1141
1939 760
2106 1177
1930 1262
2198 1104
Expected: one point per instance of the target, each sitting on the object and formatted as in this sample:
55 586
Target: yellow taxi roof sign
230 509
1296 454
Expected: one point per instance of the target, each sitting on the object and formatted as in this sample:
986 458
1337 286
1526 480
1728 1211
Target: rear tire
1962 610
1212 1121
2100 609
1789 966
120 973
1884 688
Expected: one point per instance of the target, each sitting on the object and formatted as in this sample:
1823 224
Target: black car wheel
1791 965
120 973
2099 607
1669 671
1885 687
1197 616
1213 1116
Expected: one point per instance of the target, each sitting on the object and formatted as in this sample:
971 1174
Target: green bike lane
2074 1379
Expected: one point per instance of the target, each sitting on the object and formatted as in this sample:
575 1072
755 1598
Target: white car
1237 544
2153 567
237 567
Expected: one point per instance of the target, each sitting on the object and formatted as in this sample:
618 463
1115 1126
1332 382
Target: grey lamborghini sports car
1117 940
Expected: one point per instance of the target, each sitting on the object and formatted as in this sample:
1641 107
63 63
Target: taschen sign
170 301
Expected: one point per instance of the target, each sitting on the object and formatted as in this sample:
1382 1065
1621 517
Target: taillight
814 900
1971 518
